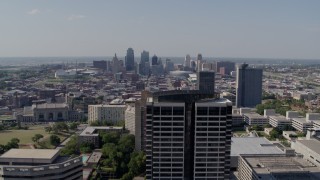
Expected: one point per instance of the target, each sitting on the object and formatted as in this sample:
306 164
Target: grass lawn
24 135
45 142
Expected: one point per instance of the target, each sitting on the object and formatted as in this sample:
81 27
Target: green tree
71 147
48 129
54 140
37 137
13 143
111 137
73 126
86 147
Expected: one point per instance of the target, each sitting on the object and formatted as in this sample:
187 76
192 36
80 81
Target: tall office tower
187 61
225 67
188 136
129 60
115 64
154 60
206 81
144 64
169 66
249 86
199 61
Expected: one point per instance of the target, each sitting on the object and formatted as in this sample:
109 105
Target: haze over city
268 29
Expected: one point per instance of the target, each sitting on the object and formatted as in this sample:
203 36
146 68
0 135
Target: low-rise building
39 164
251 145
255 119
237 120
106 113
91 134
266 167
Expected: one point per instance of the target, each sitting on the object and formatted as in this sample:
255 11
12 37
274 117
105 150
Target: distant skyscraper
188 136
154 60
187 61
115 64
249 86
169 66
100 64
199 61
144 65
225 67
206 81
130 60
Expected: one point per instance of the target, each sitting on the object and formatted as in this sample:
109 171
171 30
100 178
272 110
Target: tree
37 137
71 147
48 129
274 134
73 126
54 140
111 137
13 143
86 147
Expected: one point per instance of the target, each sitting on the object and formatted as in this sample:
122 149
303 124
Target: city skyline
248 29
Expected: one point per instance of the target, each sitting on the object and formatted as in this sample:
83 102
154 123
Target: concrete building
237 120
106 113
50 112
187 61
144 65
249 86
276 120
188 136
39 164
255 119
251 145
302 124
91 134
225 67
266 167
130 119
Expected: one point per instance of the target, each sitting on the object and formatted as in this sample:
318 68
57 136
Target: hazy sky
246 28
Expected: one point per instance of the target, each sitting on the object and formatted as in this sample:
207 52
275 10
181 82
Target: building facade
130 60
106 113
206 81
188 136
249 86
39 164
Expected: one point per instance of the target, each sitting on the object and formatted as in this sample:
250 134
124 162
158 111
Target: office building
106 113
249 86
100 64
187 61
144 65
154 60
206 81
188 136
39 164
130 60
225 67
255 119
116 66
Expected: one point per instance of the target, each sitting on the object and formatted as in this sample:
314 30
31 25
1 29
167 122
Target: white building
39 164
130 119
106 113
255 119
276 120
64 73
302 124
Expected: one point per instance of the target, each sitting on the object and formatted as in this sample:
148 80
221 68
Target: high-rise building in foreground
249 86
130 60
188 136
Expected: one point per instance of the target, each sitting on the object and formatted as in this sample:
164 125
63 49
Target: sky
234 28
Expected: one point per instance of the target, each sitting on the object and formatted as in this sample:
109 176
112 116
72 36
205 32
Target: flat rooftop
90 130
30 156
253 145
30 153
312 144
282 167
254 116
